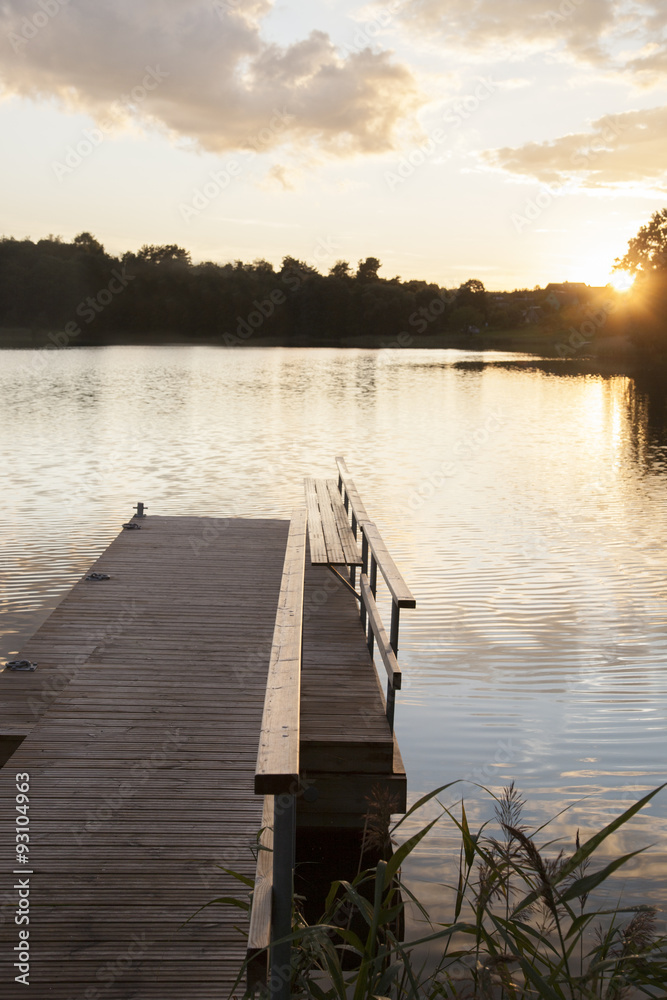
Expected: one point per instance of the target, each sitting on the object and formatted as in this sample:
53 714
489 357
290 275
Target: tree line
77 293
158 292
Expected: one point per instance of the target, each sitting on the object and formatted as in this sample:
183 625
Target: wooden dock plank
143 723
318 547
335 554
142 763
343 722
347 540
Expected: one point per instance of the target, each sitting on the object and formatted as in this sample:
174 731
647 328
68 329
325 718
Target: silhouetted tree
368 269
472 295
642 316
87 243
341 269
647 251
169 253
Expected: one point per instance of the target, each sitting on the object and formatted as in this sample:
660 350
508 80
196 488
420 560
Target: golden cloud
201 71
590 31
619 150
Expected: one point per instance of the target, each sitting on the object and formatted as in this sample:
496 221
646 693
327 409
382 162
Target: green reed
521 926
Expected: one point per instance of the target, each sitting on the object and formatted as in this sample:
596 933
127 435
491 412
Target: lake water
524 501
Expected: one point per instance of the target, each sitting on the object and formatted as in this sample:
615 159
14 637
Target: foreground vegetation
522 925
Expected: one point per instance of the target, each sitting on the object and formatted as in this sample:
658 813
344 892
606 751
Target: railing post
393 642
393 632
353 569
364 569
283 879
373 582
391 704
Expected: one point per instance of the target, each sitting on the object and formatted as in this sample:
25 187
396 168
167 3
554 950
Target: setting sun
622 281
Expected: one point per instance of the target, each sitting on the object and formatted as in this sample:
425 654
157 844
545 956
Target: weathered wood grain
384 648
355 501
142 723
142 763
277 768
399 589
330 536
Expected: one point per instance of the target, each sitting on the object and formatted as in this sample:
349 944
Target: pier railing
277 770
375 556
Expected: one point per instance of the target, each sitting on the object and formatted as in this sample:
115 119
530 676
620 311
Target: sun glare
622 281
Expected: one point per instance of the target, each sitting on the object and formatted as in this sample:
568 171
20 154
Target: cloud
282 177
514 83
649 63
258 222
216 80
605 33
620 150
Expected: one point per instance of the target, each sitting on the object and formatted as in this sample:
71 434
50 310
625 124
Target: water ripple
526 508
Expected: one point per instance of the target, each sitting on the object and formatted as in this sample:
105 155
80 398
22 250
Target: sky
514 141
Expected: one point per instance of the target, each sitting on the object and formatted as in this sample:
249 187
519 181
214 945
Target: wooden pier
140 729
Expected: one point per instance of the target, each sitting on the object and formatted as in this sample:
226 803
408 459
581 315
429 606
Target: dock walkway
139 731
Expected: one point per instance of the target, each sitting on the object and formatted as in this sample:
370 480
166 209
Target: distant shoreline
530 340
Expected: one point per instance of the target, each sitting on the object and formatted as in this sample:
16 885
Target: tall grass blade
583 886
402 852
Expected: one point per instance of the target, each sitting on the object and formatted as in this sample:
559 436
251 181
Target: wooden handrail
350 494
277 768
374 555
384 646
399 589
259 932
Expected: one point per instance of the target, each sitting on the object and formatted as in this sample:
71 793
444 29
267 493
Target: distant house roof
567 286
533 314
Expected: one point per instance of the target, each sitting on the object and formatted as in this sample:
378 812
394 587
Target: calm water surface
524 502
